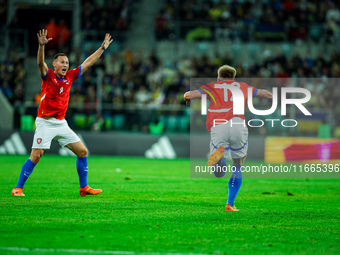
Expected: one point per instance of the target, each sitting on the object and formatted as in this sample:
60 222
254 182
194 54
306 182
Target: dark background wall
129 144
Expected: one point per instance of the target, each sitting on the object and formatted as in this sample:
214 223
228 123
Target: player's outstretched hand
107 41
42 37
187 97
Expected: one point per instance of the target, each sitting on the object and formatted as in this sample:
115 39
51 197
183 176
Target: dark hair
57 55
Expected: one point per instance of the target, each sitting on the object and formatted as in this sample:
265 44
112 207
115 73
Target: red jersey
55 93
221 101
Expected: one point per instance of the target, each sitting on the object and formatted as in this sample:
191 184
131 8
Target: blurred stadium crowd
135 79
132 77
106 15
249 20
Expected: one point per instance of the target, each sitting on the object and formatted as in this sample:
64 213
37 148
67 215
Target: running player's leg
235 182
218 146
42 140
82 168
26 170
67 138
238 150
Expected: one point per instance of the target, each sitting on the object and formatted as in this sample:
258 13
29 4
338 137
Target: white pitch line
84 251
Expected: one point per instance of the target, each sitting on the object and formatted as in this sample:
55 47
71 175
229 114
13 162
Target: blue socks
26 171
235 180
234 184
28 167
219 168
82 170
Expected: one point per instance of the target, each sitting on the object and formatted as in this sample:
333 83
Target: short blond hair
226 72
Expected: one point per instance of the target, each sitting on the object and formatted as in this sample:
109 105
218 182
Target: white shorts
234 138
49 129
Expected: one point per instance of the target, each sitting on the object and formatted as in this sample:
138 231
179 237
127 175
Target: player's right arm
262 93
42 40
192 95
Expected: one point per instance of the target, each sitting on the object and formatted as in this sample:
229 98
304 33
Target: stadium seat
183 124
172 123
107 123
199 32
315 32
164 119
286 49
324 131
114 47
26 123
270 31
337 132
79 121
235 50
91 44
156 129
90 121
118 121
253 49
203 47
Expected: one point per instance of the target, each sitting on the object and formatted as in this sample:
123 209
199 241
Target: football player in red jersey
50 122
231 134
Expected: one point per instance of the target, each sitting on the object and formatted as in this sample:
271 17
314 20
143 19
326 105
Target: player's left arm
192 95
262 93
96 55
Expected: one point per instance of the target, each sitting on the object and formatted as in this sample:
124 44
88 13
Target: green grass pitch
152 206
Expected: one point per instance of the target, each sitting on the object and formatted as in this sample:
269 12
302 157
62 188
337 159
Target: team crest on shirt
39 140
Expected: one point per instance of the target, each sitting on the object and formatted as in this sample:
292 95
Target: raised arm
192 95
95 56
262 93
42 40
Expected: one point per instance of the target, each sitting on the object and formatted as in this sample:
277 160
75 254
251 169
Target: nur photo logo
238 100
